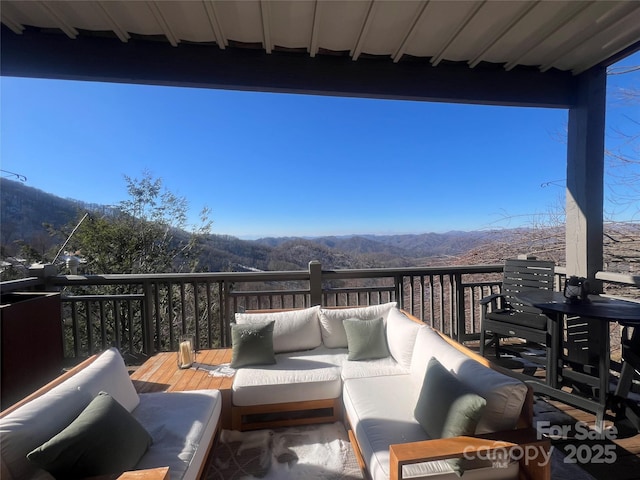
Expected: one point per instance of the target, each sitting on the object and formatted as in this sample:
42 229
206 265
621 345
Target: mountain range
25 210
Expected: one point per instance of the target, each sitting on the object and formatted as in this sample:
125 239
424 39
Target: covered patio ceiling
495 52
550 53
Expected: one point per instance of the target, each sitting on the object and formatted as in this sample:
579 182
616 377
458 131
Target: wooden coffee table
161 374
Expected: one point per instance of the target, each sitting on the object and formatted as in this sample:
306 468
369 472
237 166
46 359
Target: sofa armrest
532 452
161 473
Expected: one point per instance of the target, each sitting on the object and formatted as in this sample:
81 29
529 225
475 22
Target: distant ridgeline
25 210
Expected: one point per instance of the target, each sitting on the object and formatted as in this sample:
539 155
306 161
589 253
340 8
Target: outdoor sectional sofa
389 403
181 426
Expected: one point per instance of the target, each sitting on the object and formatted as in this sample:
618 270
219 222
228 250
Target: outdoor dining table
597 307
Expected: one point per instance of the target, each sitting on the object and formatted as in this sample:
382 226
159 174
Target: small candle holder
186 351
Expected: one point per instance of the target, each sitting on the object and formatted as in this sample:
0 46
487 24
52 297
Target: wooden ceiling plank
120 32
436 59
627 37
410 33
315 30
16 27
364 30
266 26
58 19
501 32
216 27
154 8
548 29
612 19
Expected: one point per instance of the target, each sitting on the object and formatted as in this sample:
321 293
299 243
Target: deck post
315 282
44 272
585 176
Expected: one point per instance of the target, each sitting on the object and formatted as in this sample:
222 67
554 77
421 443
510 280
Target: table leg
604 362
554 346
630 361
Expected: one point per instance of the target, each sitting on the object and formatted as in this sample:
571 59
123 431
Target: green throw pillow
366 339
105 438
447 408
252 344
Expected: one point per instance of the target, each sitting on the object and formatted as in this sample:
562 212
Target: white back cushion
505 395
293 331
108 374
333 333
401 336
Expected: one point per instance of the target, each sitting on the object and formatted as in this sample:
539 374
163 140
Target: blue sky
273 164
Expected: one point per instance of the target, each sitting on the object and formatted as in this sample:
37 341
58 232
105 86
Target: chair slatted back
522 275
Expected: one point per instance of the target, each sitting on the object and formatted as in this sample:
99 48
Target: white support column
585 176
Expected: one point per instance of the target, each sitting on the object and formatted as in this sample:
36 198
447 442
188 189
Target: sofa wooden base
278 415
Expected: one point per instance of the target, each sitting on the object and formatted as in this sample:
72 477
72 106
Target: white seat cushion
381 414
180 434
295 377
372 368
377 426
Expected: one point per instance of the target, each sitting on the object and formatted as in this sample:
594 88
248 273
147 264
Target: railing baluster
103 326
196 313
87 308
182 308
116 323
76 329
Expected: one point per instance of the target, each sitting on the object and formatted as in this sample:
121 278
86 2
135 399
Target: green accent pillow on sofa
105 438
447 408
252 344
366 339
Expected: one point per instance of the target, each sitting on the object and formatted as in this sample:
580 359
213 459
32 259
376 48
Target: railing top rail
624 278
411 271
20 284
81 298
117 278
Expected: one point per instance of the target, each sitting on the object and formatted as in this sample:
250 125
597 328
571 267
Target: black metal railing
141 314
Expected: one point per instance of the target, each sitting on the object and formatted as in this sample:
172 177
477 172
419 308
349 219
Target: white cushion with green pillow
504 395
366 339
294 330
105 438
446 407
252 344
333 334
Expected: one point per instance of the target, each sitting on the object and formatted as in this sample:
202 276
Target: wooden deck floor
624 449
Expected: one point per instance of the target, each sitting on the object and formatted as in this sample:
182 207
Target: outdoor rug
318 452
323 452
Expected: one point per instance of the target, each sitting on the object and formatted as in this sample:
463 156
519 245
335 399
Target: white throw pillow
333 333
401 336
294 330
